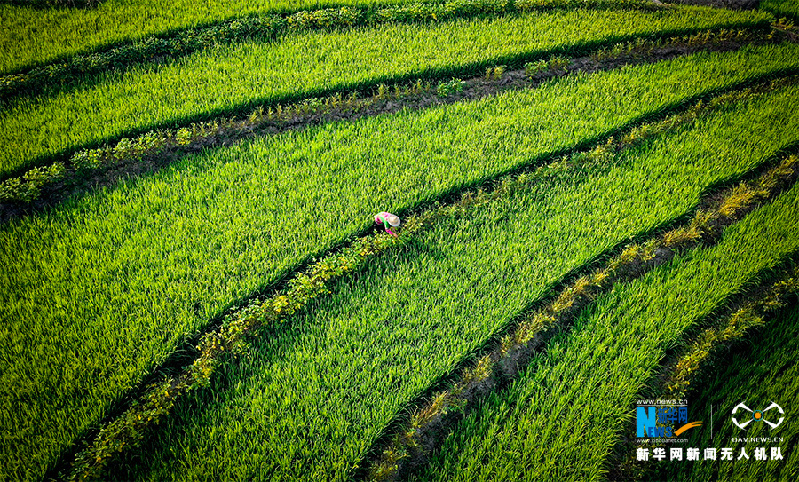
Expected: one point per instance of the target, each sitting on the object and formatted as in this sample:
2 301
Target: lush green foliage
781 8
308 400
34 35
126 432
590 377
424 431
713 342
55 3
98 291
762 371
265 27
165 142
231 78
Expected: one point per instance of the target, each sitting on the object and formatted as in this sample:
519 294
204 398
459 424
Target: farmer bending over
387 220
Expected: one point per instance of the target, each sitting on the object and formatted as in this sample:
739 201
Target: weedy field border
44 158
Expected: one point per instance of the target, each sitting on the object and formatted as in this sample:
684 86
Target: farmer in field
388 221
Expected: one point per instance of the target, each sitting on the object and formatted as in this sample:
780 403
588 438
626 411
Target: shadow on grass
184 354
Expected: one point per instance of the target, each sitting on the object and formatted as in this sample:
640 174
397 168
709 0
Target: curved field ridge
46 186
34 37
127 429
700 356
100 290
309 400
591 377
411 445
234 78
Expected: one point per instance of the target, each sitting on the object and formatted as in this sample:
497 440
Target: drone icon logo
757 416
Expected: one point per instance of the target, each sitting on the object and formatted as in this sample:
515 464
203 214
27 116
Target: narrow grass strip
42 4
101 290
709 347
590 377
131 156
234 79
59 76
432 423
128 430
35 37
290 403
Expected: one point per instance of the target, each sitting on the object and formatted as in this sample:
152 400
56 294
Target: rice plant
36 35
761 370
782 8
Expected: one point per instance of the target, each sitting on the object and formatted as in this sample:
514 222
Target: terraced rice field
598 203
